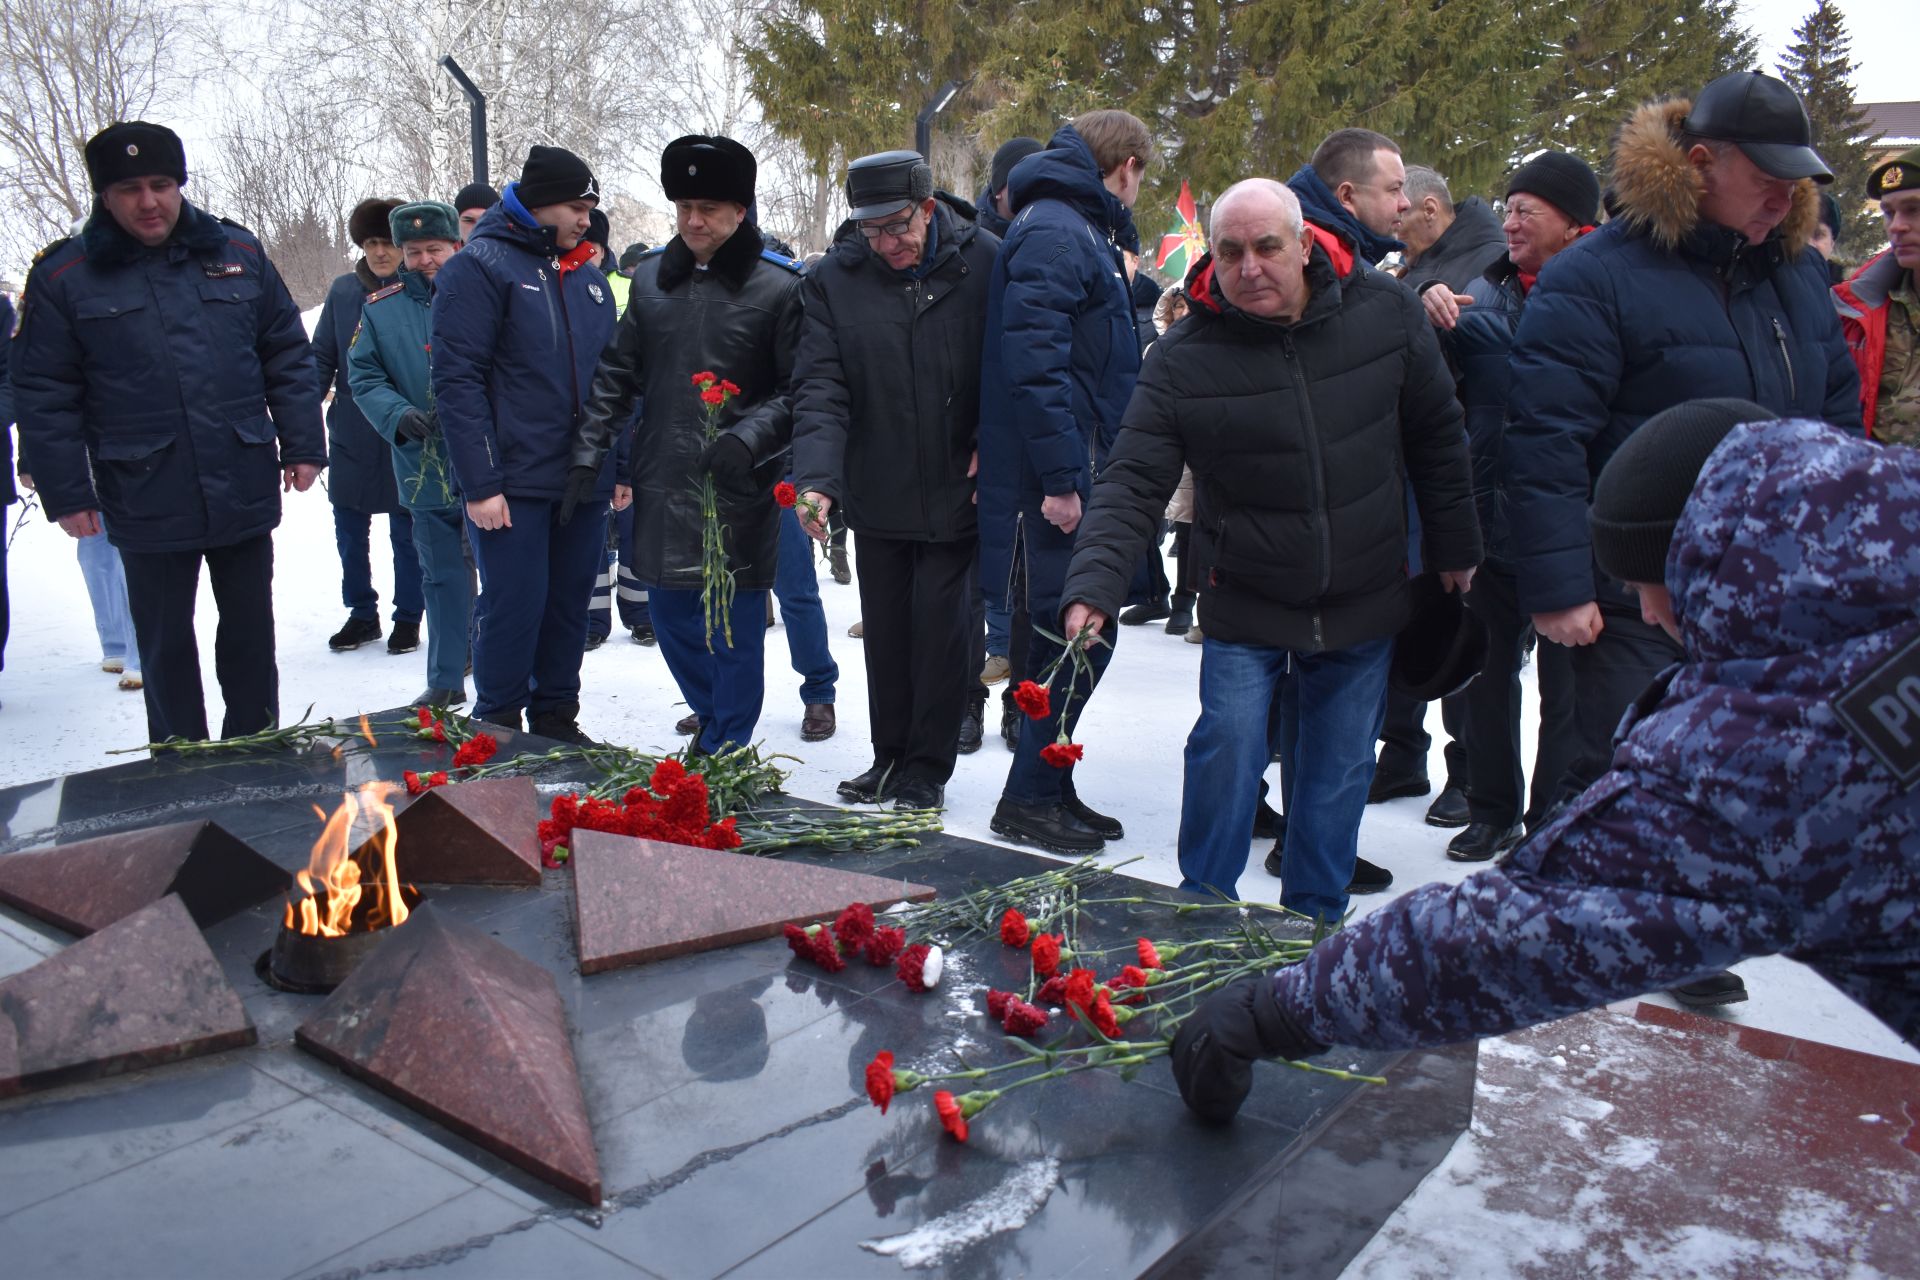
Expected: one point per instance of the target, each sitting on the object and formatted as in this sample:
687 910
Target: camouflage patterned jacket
1740 817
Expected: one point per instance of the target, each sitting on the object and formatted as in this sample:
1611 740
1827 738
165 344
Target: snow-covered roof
1898 123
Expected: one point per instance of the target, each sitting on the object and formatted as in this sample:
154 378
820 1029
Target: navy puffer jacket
1655 308
359 462
164 387
515 342
1479 348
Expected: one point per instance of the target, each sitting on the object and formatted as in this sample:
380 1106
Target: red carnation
1080 989
1149 954
997 1002
884 945
1013 928
854 926
728 386
1046 953
797 940
475 750
703 378
919 967
1102 1015
826 952
713 396
1053 991
438 778
785 494
426 717
951 1117
1062 754
1022 1019
666 776
1033 699
880 1080
412 779
1132 976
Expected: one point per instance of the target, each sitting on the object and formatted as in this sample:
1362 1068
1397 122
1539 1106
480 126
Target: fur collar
1657 193
369 281
108 245
732 263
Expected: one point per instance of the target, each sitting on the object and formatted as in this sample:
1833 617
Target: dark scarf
732 263
1318 202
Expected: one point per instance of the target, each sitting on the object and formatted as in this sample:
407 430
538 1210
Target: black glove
1217 1044
581 482
730 461
417 425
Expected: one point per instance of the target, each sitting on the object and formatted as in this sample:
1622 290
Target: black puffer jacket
1301 439
887 385
1472 242
738 320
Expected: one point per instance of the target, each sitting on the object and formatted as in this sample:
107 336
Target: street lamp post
477 109
923 123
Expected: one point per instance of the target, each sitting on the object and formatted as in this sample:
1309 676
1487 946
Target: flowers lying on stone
430 727
1046 954
672 808
854 932
419 782
476 750
919 966
1013 928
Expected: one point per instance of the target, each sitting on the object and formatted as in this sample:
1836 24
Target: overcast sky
1885 35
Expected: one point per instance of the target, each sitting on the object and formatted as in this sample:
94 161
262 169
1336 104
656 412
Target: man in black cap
473 200
1703 285
360 482
712 301
886 417
519 319
994 208
162 378
1880 308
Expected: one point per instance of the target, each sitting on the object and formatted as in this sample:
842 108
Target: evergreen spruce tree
1819 68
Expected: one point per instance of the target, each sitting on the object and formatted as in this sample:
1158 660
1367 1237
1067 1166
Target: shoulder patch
1881 710
226 221
386 291
52 247
780 260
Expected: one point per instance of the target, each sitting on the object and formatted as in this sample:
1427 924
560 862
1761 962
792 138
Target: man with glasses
886 414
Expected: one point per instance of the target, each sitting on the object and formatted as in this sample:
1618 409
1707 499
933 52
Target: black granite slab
725 1094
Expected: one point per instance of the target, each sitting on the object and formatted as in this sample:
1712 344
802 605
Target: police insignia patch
221 270
595 290
132 150
1882 712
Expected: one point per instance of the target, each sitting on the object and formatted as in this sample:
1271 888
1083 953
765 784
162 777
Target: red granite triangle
641 900
142 991
89 884
471 1034
484 832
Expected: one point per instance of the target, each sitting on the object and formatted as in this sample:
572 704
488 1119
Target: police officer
163 379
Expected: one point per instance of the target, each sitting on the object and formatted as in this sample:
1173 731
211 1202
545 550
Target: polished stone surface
86 886
474 1035
637 901
482 832
142 991
723 1087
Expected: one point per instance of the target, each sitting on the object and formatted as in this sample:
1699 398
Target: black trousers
914 602
161 586
1607 676
1404 739
1496 781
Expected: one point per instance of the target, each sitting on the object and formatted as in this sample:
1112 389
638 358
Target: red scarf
574 257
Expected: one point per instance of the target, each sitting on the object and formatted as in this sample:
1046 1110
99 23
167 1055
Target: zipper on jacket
1311 434
573 365
1786 358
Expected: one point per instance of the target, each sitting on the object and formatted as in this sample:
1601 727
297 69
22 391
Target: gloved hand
1216 1046
417 424
581 482
730 461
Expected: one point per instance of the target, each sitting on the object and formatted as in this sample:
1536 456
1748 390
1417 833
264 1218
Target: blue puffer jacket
359 472
390 365
1655 308
515 342
1479 347
1061 355
1741 816
153 385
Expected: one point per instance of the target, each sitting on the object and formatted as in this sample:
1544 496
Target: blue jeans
352 535
797 589
535 575
106 580
725 687
1030 780
447 581
1330 710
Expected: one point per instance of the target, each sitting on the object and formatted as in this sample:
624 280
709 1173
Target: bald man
1303 385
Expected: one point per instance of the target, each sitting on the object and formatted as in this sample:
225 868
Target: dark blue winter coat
153 385
1061 355
359 465
8 494
1479 348
515 342
1741 816
1657 307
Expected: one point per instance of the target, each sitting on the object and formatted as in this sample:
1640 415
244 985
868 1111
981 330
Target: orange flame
333 878
366 731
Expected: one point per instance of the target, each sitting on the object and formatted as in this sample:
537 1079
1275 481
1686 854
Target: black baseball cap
1765 119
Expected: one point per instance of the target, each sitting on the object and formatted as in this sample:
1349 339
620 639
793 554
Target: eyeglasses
1525 212
895 229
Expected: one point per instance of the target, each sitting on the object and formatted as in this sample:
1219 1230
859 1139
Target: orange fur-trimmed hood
1657 192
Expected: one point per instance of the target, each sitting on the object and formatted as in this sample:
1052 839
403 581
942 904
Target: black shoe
440 698
1268 822
1393 787
1095 821
643 634
1483 840
1049 826
877 783
405 637
357 632
1180 619
1368 878
1449 808
502 719
594 641
1010 718
1716 989
688 725
971 730
561 723
1274 860
1152 611
919 793
837 565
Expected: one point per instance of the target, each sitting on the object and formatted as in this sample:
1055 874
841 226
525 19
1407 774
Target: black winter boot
357 632
561 723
